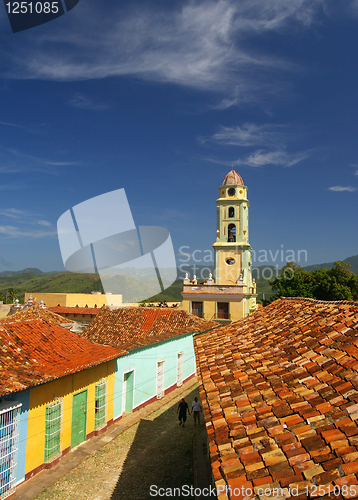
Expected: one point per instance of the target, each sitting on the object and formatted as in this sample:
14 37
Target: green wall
144 363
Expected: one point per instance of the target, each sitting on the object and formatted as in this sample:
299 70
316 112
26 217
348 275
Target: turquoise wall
24 398
144 363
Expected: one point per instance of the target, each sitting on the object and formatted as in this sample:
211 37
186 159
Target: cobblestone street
145 448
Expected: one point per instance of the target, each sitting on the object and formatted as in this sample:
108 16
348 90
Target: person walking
196 408
182 409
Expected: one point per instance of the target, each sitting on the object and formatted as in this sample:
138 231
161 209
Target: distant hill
34 280
50 283
32 270
353 261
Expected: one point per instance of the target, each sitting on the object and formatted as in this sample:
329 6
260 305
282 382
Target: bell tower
232 249
230 294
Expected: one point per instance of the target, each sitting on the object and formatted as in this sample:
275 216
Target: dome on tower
233 178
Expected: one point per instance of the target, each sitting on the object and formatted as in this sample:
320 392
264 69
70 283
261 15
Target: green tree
338 283
292 282
12 294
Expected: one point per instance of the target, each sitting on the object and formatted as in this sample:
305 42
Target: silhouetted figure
182 409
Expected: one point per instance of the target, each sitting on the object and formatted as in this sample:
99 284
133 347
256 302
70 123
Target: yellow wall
64 388
229 274
236 308
74 299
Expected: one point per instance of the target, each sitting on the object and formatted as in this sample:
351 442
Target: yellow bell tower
231 294
232 250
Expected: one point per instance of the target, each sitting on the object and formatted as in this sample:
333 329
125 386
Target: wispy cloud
33 129
83 102
25 218
249 134
200 44
14 232
282 158
13 161
349 189
14 125
262 158
44 223
13 213
271 138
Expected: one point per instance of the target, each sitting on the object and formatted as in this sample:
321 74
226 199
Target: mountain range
34 280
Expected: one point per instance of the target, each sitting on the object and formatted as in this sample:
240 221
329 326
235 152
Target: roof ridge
319 301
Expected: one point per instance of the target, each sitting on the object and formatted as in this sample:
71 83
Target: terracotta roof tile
133 327
92 311
36 312
35 351
290 373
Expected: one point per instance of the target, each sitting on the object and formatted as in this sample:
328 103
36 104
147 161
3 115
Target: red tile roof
233 178
36 351
36 312
132 327
280 396
91 311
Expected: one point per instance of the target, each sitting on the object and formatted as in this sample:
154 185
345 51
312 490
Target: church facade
230 294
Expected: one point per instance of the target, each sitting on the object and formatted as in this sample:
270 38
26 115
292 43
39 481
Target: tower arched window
231 212
231 233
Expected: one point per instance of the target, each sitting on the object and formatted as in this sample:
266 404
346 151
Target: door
128 391
160 379
180 369
79 414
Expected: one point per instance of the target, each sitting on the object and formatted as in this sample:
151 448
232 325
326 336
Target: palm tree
12 294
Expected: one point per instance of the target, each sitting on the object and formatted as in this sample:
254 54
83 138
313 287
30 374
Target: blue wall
144 363
24 398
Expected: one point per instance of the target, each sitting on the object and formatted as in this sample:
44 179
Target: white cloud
14 232
249 134
198 44
23 217
13 213
7 124
261 158
13 161
44 223
350 189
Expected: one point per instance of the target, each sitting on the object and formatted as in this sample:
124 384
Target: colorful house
160 349
56 391
280 399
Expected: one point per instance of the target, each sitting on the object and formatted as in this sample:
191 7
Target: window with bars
53 430
100 405
9 442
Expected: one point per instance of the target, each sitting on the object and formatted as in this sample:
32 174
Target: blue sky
161 98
